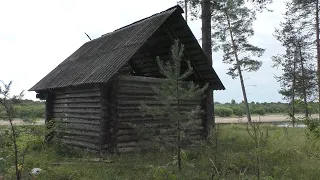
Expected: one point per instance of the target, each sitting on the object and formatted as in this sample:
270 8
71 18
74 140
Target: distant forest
27 110
238 109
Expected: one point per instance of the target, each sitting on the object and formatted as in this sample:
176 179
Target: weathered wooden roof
98 60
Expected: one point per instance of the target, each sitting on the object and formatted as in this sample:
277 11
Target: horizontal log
140 91
83 139
69 115
142 122
145 80
131 79
77 111
84 92
129 144
141 85
137 98
76 95
79 133
78 121
136 109
80 144
82 127
77 100
155 102
126 138
76 106
126 132
76 90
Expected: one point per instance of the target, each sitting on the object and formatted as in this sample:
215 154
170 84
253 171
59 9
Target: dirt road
266 119
20 122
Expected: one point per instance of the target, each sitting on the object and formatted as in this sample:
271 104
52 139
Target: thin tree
233 27
297 80
174 90
307 12
7 102
206 10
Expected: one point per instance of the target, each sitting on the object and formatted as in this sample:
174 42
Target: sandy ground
20 122
266 119
220 120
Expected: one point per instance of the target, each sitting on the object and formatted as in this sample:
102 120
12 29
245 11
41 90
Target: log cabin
97 90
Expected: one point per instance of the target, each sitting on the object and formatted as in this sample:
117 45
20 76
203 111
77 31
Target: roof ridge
176 7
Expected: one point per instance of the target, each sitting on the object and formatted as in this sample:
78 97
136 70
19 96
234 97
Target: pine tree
307 13
233 27
205 9
298 80
174 90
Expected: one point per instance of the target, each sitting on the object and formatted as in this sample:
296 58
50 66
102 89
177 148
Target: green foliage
61 173
270 108
279 157
29 113
174 90
259 110
161 172
26 110
238 110
313 125
298 81
233 27
223 111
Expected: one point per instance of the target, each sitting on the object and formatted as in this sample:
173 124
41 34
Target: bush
238 111
259 110
313 125
29 113
223 111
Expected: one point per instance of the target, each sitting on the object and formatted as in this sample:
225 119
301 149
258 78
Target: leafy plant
259 110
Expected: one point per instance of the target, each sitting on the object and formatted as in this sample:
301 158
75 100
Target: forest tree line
27 110
238 109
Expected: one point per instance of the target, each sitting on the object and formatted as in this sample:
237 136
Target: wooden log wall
77 114
133 90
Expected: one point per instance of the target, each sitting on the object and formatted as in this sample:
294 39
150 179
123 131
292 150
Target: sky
36 36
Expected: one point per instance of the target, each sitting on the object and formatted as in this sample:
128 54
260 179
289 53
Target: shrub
29 113
313 125
238 111
259 110
223 111
2 112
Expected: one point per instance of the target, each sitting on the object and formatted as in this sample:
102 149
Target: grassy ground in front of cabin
284 153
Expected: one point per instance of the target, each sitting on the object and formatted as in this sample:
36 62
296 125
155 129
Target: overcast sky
37 35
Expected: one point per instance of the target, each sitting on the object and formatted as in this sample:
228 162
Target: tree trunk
293 91
179 129
318 52
14 140
304 86
240 72
207 48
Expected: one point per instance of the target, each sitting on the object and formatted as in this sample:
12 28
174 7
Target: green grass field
284 153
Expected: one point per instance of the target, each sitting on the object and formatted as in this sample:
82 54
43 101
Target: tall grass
288 153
